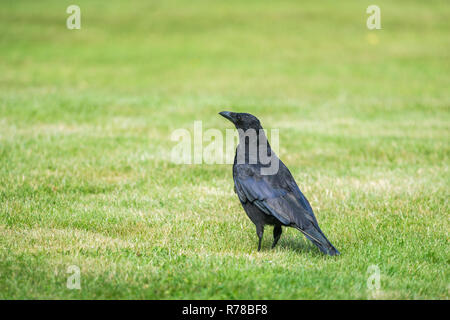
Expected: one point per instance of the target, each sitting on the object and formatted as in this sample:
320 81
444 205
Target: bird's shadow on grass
298 246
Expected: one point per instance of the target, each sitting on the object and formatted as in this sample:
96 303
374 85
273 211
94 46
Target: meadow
86 177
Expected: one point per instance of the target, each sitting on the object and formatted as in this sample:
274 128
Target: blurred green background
85 123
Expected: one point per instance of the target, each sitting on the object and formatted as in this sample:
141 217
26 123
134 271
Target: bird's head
242 121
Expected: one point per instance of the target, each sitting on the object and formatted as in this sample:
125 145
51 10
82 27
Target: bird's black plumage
274 198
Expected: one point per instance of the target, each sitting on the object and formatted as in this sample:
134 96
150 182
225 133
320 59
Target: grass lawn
86 177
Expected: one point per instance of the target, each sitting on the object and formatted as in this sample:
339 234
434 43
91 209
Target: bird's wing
282 202
301 198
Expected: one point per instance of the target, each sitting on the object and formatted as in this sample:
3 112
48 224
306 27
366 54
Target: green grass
85 171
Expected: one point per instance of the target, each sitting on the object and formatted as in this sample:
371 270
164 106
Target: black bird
267 190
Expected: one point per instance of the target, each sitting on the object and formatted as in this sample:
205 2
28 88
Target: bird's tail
318 238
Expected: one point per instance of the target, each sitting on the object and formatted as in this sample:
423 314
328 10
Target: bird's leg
260 232
276 235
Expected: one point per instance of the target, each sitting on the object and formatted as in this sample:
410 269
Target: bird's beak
228 115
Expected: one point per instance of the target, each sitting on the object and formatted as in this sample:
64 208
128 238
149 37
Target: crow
266 189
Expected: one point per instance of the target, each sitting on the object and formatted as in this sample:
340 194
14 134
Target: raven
270 198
